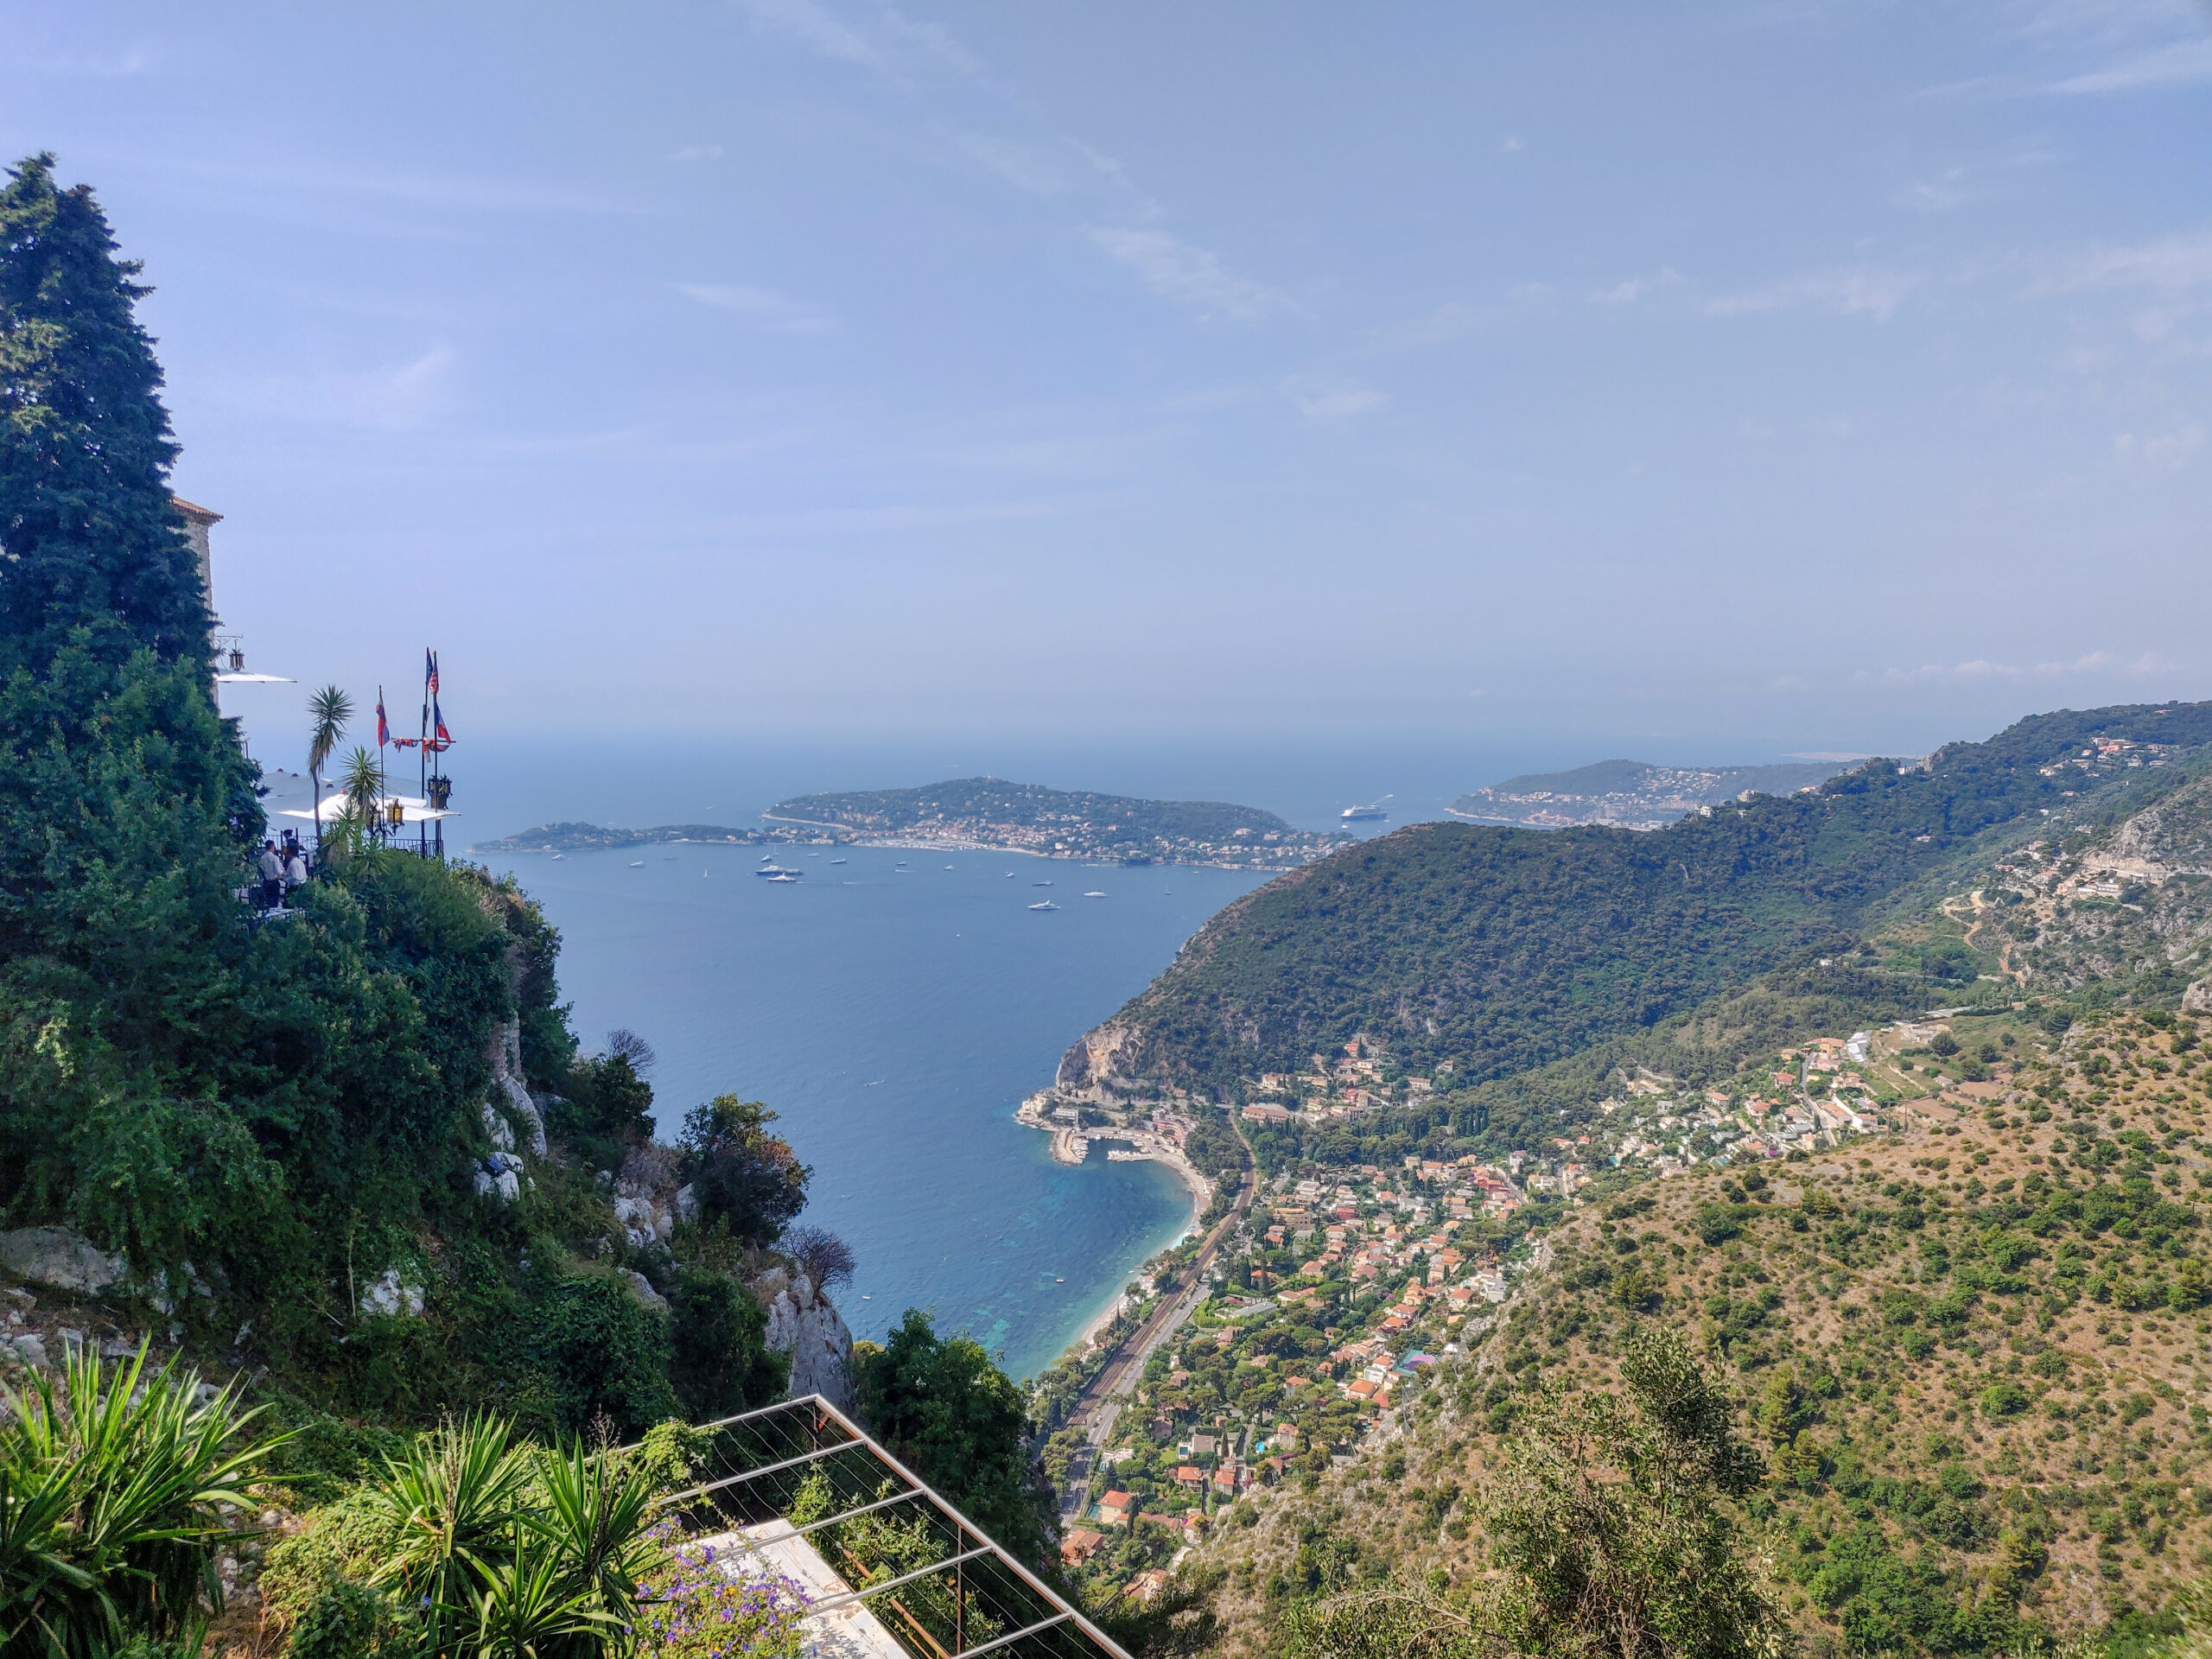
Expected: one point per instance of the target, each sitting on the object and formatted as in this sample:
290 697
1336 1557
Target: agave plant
114 1486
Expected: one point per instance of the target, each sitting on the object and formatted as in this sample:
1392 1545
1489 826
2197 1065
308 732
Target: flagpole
422 759
383 783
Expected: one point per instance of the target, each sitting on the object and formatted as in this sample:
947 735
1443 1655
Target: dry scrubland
1971 1352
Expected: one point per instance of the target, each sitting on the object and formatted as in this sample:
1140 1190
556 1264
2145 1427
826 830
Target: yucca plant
505 1554
116 1485
454 1497
533 1606
594 1516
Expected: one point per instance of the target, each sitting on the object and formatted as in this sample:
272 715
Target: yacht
836 861
777 872
1045 904
636 863
1094 895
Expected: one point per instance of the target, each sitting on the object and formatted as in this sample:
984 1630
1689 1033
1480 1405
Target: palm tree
364 782
329 709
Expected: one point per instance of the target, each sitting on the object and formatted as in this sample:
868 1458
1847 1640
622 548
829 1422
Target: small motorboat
1045 904
636 863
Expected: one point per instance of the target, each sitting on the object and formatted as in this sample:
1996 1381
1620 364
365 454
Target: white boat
836 861
1040 884
1045 904
1372 810
785 875
636 863
1094 895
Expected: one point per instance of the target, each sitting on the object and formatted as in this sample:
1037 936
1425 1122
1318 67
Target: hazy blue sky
1829 375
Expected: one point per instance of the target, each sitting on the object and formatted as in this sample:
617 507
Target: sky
1753 377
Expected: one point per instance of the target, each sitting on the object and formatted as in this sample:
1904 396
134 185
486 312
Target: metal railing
970 1598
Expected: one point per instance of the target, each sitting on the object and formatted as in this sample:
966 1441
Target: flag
431 671
383 731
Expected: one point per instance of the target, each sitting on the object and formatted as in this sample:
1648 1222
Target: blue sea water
895 1020
895 1008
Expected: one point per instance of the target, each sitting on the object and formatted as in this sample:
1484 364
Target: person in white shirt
296 872
272 876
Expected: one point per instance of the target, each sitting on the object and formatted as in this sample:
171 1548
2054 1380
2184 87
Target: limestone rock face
1096 1056
803 1325
500 1178
642 1288
2197 999
59 1259
392 1298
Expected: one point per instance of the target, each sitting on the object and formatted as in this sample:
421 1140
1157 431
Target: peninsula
1628 794
991 814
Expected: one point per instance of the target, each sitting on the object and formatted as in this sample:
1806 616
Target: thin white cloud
1176 271
1025 166
810 26
761 308
1334 401
2177 63
2167 452
1632 288
1869 292
1474 319
398 398
2170 264
1981 670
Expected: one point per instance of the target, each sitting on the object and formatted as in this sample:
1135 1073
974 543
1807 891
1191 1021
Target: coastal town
1331 1304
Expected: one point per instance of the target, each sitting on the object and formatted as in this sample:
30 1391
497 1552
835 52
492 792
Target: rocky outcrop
393 1297
647 1201
511 1119
59 1259
2197 999
1102 1054
803 1325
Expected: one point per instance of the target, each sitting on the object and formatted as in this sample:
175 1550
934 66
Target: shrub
720 1364
2004 1400
346 1621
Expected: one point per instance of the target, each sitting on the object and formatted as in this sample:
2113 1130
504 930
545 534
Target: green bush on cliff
267 1120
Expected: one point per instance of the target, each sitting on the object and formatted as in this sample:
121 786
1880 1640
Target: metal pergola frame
811 1416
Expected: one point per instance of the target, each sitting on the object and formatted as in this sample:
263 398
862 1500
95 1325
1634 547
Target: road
1100 1403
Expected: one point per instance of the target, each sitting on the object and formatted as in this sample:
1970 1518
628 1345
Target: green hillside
990 811
1503 949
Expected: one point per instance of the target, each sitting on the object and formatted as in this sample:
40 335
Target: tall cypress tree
88 536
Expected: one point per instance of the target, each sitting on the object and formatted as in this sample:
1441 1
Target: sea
894 1008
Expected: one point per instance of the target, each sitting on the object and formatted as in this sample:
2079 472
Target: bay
895 1008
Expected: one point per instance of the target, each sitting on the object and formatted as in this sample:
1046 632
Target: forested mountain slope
1503 949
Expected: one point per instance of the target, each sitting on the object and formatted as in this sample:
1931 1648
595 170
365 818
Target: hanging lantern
394 813
441 792
238 660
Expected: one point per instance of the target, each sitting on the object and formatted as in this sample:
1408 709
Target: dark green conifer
89 538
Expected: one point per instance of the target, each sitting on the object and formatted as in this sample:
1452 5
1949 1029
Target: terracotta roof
193 510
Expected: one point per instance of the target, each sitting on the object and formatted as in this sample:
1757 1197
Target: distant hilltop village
1629 795
986 814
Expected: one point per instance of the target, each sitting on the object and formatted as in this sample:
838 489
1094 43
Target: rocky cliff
805 1327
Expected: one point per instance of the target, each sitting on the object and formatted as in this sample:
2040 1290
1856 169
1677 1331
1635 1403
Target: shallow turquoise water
896 1020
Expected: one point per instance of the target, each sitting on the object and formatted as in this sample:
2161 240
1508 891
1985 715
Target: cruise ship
1359 814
